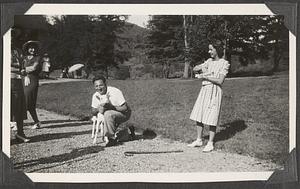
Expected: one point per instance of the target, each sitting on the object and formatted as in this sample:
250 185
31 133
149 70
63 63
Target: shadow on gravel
228 130
52 136
69 124
147 134
61 123
61 158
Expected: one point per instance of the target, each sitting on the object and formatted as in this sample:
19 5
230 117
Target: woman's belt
207 83
204 83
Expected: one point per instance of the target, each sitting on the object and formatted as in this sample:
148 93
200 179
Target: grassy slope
254 116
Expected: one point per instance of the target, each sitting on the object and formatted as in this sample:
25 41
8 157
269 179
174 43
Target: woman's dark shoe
110 142
22 138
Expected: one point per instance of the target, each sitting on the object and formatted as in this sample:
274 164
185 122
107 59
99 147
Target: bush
255 68
136 71
176 75
150 71
99 72
120 73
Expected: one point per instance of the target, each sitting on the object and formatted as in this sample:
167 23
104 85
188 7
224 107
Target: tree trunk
166 70
106 72
277 57
228 58
225 41
186 46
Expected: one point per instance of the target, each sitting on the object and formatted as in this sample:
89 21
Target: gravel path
64 144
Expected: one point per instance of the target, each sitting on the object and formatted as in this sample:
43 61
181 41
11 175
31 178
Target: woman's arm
201 67
222 74
197 68
215 80
15 64
32 68
16 58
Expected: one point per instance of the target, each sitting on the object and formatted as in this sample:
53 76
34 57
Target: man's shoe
22 138
196 143
110 142
132 134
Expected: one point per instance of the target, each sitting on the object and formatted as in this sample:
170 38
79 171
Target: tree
198 33
186 46
33 27
250 37
276 38
186 38
92 40
106 46
164 44
68 39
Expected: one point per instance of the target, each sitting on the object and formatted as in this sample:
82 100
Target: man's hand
108 106
103 104
101 109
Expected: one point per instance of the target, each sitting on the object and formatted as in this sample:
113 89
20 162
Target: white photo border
149 9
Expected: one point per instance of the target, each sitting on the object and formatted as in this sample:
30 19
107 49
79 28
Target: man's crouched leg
112 119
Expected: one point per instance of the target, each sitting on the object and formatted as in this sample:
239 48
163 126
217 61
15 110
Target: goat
98 124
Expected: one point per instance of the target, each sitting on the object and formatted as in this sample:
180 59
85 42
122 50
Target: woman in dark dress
18 111
32 68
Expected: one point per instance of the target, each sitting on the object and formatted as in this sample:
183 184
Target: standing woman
18 111
207 107
32 69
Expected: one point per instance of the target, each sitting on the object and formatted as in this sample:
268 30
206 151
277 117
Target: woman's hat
31 43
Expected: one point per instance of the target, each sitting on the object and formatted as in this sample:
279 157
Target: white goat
98 122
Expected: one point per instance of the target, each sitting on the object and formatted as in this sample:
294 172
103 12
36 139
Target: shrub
256 67
120 73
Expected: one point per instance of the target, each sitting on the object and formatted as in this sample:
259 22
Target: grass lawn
254 116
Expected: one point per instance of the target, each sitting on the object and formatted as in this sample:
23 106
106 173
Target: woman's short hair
219 46
99 77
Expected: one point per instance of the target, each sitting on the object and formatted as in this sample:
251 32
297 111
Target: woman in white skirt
207 107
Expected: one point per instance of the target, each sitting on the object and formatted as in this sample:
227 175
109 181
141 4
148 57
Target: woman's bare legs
198 142
210 144
199 130
212 133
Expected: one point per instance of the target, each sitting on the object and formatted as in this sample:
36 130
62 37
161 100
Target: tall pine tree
165 42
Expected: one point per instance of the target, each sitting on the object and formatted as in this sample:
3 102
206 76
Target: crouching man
115 110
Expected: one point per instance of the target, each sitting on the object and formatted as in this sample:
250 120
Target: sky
140 20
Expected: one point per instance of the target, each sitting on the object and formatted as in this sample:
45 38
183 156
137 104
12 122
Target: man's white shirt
114 95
